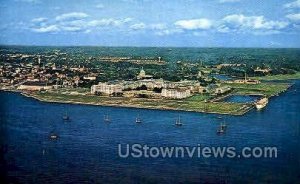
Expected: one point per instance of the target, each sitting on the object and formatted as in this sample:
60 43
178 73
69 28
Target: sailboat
53 134
224 126
178 122
222 129
138 119
106 118
66 117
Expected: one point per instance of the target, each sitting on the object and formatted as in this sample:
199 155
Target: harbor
87 139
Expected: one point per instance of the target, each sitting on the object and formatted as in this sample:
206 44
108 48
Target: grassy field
196 103
267 89
279 77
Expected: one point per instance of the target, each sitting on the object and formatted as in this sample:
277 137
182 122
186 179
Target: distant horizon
150 23
19 45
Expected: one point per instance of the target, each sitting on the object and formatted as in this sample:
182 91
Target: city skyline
216 23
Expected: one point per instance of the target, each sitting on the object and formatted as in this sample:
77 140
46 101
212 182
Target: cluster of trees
250 71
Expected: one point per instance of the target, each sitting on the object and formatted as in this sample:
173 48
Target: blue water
221 77
240 98
86 151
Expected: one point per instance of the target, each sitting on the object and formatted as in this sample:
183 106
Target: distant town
39 75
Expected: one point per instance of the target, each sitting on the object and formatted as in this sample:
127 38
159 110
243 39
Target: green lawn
199 97
195 103
279 77
267 89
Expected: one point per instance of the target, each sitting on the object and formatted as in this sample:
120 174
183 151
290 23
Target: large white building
193 85
106 88
176 93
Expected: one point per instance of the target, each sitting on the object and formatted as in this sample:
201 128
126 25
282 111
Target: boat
66 117
53 136
178 122
223 126
261 103
106 118
222 129
138 119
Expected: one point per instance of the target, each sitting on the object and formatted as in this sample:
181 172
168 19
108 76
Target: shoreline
239 110
244 110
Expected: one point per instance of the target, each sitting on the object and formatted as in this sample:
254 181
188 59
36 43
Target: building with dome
142 75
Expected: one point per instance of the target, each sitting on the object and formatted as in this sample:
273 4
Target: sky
166 23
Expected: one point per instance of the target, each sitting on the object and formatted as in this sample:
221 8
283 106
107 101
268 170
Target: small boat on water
66 117
222 129
53 136
224 126
260 104
178 122
106 118
138 119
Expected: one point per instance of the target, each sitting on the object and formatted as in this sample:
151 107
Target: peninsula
140 82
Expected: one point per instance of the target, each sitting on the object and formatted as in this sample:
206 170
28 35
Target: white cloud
81 22
158 26
72 15
142 26
71 28
40 19
138 26
46 29
242 22
194 24
295 4
294 17
167 32
228 1
108 22
74 22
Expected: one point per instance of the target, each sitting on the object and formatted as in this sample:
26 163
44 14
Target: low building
248 81
193 85
91 78
106 88
261 70
222 90
176 93
202 89
35 86
149 83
